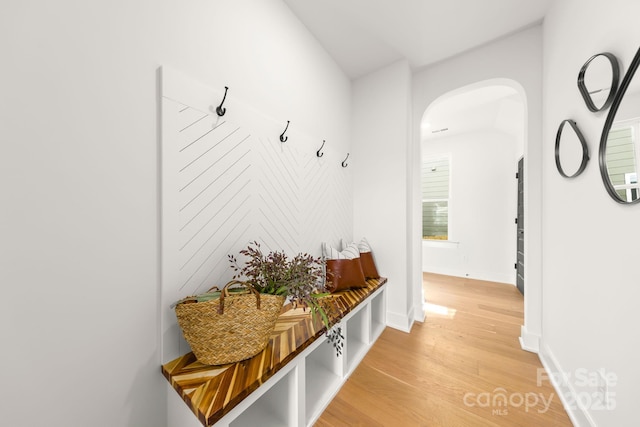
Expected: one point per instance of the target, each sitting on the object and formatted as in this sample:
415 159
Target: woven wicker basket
232 328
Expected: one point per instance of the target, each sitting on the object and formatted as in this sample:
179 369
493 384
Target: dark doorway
520 228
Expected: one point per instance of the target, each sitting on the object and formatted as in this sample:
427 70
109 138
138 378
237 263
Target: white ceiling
365 35
499 108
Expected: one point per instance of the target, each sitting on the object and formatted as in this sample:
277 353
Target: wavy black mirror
598 81
619 145
572 148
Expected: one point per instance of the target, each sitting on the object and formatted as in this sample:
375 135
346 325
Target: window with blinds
435 198
622 160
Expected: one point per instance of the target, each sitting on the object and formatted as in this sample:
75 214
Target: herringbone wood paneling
227 181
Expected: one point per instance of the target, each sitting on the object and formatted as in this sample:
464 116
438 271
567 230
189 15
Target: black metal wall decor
282 137
601 86
318 153
585 150
219 110
621 182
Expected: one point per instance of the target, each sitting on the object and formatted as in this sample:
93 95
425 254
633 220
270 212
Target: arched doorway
491 114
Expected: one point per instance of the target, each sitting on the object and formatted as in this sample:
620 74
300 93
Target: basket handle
225 292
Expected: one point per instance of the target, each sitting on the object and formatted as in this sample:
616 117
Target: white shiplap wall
227 181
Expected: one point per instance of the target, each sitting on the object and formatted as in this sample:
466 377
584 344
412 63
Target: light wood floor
452 369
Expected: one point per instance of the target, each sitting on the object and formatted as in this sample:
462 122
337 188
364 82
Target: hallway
462 367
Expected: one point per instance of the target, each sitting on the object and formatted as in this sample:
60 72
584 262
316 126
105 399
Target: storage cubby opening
323 377
276 408
297 385
357 336
378 319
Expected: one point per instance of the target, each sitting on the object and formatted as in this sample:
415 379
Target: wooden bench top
212 391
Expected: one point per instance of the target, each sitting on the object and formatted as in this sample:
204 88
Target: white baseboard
528 341
579 416
402 322
477 275
421 313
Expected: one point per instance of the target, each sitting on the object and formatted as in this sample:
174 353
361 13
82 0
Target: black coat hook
318 153
282 137
344 164
219 109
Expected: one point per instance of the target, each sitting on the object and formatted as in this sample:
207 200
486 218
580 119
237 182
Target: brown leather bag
368 266
344 274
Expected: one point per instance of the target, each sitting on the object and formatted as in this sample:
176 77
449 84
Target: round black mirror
598 81
572 148
619 144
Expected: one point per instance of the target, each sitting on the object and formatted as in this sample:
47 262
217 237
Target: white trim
401 322
529 341
421 313
579 417
471 274
432 243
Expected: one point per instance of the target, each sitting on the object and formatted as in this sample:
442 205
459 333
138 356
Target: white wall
229 180
79 181
483 205
517 58
590 242
381 170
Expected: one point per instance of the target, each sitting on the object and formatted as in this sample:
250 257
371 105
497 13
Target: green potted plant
301 279
234 323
